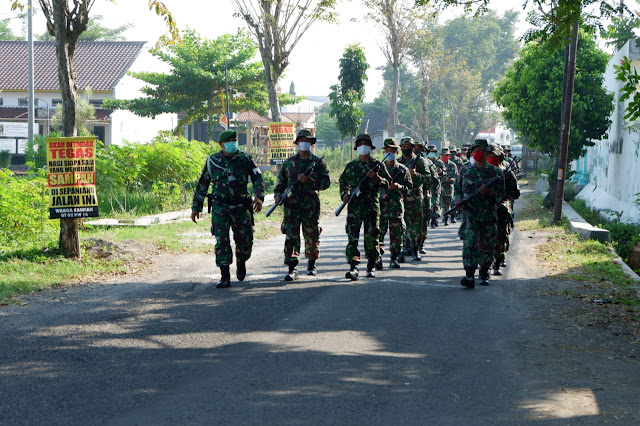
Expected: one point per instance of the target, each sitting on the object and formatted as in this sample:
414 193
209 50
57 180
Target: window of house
96 103
56 102
25 102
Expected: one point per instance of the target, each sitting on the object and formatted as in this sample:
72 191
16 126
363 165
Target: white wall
305 105
614 164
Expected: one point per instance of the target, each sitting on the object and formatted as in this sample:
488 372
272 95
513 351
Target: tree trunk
69 241
271 80
393 102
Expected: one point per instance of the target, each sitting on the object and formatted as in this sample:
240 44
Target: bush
5 159
35 154
569 191
336 159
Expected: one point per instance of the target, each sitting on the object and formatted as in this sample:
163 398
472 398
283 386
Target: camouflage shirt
291 170
230 177
481 208
450 171
353 174
422 171
391 201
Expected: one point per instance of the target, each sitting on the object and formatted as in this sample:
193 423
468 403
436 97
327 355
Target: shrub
5 159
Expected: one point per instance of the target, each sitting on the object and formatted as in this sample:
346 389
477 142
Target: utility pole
226 94
567 106
31 97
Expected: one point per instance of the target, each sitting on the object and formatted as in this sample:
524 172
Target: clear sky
314 62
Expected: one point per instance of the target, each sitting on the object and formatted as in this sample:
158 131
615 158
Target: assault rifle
356 192
488 184
287 193
394 177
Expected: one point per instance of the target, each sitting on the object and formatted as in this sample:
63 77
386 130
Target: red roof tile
20 113
98 64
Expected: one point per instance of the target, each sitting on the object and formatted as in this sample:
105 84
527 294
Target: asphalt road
409 347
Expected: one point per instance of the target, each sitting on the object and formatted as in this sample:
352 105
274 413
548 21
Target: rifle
287 193
488 184
209 203
356 192
393 178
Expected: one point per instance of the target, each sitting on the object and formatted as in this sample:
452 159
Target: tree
326 129
196 82
278 26
85 112
66 22
96 32
292 88
620 31
346 95
398 20
531 95
6 33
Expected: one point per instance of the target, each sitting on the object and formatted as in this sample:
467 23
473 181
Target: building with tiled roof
100 66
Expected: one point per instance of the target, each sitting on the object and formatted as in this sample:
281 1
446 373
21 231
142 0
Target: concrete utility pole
30 99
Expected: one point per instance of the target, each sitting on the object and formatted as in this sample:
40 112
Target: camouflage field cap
432 148
390 143
418 143
407 140
494 148
304 133
445 151
506 148
363 137
482 143
227 135
455 150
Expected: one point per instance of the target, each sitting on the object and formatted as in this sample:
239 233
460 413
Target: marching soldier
302 208
436 195
413 200
479 230
455 157
505 209
392 207
364 208
447 181
229 171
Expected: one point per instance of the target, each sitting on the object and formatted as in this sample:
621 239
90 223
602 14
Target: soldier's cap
466 145
432 148
444 151
407 140
464 149
494 148
363 137
482 143
418 143
227 135
304 133
390 143
506 148
455 150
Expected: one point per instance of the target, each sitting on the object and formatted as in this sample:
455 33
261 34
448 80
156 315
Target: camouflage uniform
393 209
479 220
231 202
450 171
505 219
436 194
302 208
414 199
363 209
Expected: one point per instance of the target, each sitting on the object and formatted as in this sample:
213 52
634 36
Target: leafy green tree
531 95
6 33
620 31
346 95
85 112
326 129
195 84
292 88
96 32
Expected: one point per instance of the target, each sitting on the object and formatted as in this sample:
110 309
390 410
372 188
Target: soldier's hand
413 173
194 216
345 198
373 175
394 186
304 178
277 200
449 180
257 205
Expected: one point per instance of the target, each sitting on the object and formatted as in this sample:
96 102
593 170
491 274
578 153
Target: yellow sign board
71 167
281 146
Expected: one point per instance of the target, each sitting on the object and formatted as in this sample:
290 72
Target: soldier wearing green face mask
229 172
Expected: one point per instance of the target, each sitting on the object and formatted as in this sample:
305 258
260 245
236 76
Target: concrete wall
613 164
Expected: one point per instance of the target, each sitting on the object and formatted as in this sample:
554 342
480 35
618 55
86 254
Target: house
610 170
308 104
100 66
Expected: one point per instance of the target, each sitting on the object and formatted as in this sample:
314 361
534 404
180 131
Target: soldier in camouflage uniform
429 187
414 199
505 220
436 195
464 153
364 208
455 157
448 179
392 203
230 171
302 208
479 230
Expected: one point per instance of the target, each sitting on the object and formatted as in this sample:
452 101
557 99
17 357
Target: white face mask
472 161
364 150
304 146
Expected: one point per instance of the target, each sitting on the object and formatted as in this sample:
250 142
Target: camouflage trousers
426 217
240 220
446 202
505 225
355 219
396 227
435 205
413 217
293 220
478 242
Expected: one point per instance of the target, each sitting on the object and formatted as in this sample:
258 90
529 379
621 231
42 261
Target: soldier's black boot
484 275
496 268
453 218
446 221
422 250
379 265
353 272
241 270
401 257
434 223
311 267
225 281
469 281
416 256
394 262
371 269
293 271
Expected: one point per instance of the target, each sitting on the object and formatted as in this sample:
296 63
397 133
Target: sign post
281 138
